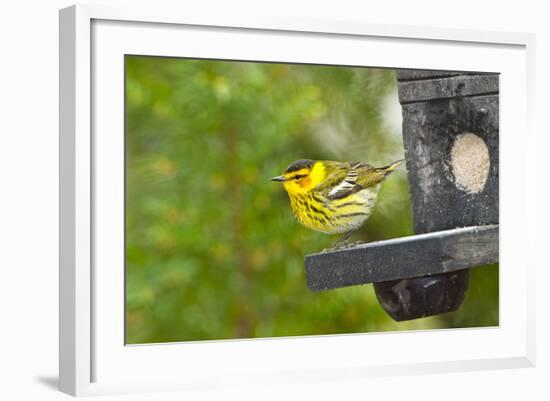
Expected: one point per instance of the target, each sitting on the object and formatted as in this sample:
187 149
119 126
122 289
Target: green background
212 248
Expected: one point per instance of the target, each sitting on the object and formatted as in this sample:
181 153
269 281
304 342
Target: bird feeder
450 134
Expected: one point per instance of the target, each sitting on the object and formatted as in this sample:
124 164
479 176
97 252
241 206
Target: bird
333 197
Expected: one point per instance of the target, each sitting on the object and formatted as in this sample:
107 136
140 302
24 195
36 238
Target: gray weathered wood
410 75
429 131
414 75
447 87
413 256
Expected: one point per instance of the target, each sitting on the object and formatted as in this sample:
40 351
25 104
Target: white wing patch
346 185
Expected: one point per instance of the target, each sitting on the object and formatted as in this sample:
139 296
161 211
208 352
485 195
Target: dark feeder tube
418 297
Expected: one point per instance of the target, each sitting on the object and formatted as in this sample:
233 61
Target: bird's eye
298 177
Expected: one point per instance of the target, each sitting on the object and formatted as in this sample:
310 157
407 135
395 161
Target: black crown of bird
333 197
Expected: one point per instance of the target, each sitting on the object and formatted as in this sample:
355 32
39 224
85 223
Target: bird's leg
342 242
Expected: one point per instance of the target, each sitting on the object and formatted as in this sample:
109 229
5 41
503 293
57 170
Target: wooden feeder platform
399 258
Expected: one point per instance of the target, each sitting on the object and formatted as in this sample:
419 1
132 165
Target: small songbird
333 197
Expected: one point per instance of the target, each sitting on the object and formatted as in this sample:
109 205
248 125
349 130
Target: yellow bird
333 197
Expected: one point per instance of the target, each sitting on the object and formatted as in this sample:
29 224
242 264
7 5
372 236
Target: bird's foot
334 248
342 245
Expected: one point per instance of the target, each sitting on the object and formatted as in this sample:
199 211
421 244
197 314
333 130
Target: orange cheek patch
305 182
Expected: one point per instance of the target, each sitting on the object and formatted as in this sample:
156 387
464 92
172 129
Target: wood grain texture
407 257
415 75
447 87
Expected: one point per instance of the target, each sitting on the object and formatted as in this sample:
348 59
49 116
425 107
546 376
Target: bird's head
302 176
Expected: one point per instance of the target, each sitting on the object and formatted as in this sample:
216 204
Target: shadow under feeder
450 134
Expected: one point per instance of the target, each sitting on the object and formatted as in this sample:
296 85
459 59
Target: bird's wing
355 177
368 175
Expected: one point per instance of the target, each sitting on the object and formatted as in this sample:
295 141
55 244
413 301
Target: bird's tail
393 166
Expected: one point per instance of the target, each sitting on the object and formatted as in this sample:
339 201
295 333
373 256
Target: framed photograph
230 189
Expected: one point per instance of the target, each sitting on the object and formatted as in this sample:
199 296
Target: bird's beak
279 178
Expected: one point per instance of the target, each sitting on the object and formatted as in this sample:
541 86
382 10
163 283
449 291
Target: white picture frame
93 357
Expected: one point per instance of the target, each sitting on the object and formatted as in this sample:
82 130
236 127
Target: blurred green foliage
212 249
